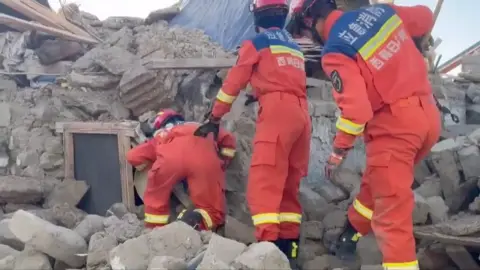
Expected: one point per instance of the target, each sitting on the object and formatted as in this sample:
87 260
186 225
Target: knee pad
192 218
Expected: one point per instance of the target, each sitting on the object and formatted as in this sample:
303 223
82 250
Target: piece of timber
26 25
204 63
430 233
59 21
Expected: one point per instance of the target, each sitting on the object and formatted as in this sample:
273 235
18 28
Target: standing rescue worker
174 154
274 65
382 90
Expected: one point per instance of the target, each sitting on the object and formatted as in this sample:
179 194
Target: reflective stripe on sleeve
349 127
206 217
267 218
401 266
156 219
225 98
362 210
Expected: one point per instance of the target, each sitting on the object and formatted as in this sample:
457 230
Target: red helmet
269 13
163 118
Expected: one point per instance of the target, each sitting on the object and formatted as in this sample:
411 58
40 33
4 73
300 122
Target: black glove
147 129
212 125
250 99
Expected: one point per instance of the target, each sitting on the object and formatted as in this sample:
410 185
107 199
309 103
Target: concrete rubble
42 228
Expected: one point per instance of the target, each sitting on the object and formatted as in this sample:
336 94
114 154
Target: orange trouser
398 136
281 149
195 159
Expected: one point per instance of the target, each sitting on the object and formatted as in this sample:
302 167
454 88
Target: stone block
262 256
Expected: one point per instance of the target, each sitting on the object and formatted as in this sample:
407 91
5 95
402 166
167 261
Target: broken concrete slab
136 253
430 187
167 262
469 158
115 60
14 189
438 210
68 191
221 249
117 209
422 171
7 237
314 206
67 216
262 256
123 229
58 242
31 259
99 247
135 77
420 212
96 81
312 230
90 225
5 115
236 230
443 157
460 225
348 180
432 259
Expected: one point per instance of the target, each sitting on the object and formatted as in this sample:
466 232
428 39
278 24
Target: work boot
289 247
347 244
192 218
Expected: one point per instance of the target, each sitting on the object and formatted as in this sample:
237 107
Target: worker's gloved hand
334 161
250 99
147 129
212 125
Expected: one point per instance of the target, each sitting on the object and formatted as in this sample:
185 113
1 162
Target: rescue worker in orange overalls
274 65
382 89
174 154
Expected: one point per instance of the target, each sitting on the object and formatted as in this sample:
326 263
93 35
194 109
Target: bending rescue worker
174 154
274 65
382 89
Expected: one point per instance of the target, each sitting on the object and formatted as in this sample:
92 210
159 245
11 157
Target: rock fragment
90 225
68 191
262 256
420 212
98 249
221 249
168 263
438 209
58 242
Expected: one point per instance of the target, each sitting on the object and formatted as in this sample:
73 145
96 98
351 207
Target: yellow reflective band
268 218
206 217
225 98
401 266
367 50
294 250
349 127
363 210
181 214
290 217
356 237
228 152
156 219
278 49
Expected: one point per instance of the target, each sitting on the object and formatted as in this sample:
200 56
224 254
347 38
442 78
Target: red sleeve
350 94
142 154
227 143
418 20
237 79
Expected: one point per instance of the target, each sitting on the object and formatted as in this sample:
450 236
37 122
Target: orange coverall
176 154
274 65
382 89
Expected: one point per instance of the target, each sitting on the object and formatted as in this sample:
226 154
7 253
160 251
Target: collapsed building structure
64 81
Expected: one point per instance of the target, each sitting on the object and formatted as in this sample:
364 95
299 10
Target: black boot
192 218
290 248
347 244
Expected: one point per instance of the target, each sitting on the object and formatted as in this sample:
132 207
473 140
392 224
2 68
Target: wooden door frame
124 131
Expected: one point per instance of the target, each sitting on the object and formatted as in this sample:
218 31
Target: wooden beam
56 19
26 25
430 233
127 128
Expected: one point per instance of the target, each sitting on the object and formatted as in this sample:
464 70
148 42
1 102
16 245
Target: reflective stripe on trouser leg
290 217
206 218
361 210
266 218
156 219
401 266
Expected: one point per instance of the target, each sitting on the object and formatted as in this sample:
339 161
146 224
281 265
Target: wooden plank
68 155
26 25
126 172
430 233
190 63
127 128
58 20
28 12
